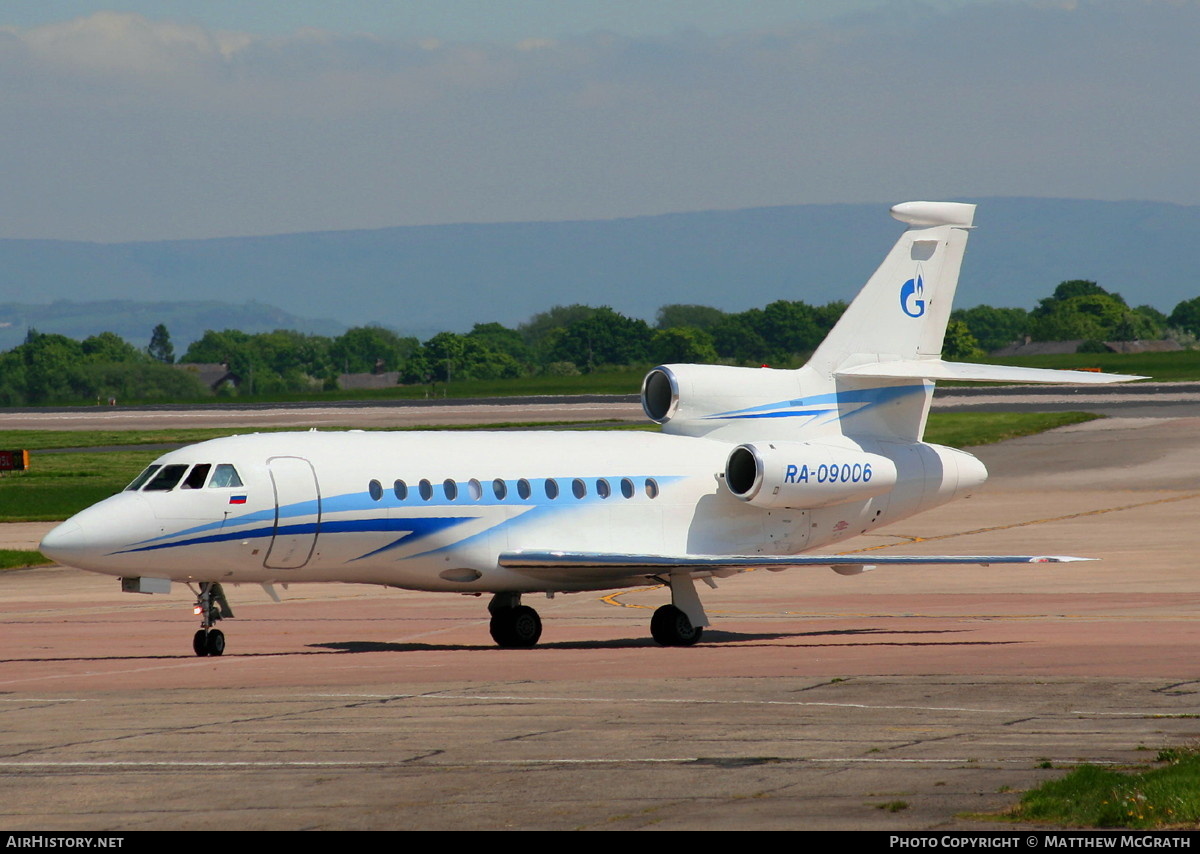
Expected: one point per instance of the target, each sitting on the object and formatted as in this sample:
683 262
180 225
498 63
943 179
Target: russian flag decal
237 499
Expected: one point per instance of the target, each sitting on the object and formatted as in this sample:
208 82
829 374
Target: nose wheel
211 606
208 642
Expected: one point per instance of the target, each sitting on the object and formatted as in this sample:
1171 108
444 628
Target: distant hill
420 280
133 321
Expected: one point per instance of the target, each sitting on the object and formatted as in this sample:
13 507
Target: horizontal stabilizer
936 369
609 565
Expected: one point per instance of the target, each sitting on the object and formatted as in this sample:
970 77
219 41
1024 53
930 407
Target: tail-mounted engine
697 399
803 475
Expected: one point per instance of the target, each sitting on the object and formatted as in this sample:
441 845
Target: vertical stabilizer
901 313
871 378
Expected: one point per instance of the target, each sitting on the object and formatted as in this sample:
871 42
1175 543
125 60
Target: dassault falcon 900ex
753 467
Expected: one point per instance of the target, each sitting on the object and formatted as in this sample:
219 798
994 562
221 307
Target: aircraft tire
215 644
200 643
518 627
671 627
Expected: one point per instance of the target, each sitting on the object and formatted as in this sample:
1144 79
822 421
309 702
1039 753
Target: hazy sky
201 118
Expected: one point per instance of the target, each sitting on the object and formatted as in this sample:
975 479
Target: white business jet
753 468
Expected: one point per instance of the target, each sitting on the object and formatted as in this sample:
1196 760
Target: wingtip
1059 559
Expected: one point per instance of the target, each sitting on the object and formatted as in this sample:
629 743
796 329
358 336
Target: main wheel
516 627
671 627
215 644
200 643
526 626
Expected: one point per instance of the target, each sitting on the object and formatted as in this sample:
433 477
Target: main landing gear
682 622
671 627
513 624
211 606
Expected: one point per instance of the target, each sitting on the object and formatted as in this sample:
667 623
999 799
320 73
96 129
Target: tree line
564 340
1078 310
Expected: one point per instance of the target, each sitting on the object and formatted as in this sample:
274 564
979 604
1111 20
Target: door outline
298 479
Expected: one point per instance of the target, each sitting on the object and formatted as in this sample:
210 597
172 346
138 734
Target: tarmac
900 699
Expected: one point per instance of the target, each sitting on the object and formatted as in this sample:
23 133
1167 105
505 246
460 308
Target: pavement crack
527 735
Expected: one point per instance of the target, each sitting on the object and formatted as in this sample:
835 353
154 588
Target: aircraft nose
63 542
89 538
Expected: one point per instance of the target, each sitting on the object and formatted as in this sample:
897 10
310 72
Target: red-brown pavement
812 699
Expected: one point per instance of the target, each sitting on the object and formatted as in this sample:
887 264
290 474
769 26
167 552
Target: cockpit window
197 476
225 475
142 478
165 479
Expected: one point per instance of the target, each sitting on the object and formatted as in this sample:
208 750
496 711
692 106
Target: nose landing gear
211 606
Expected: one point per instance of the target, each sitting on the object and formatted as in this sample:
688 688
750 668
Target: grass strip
971 429
1091 796
21 558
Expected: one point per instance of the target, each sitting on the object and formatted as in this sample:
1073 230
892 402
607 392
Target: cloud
122 43
116 125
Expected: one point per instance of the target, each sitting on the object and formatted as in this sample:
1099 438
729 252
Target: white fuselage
433 511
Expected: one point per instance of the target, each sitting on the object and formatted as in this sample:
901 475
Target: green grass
19 558
59 485
44 440
1161 367
968 429
1099 797
38 440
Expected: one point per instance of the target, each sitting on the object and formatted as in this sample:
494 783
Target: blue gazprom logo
910 297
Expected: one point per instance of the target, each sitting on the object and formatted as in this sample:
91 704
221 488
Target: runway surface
1128 400
814 701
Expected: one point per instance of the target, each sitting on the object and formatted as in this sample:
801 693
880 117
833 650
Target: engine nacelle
803 475
697 399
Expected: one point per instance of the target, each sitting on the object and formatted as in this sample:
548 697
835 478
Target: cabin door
297 513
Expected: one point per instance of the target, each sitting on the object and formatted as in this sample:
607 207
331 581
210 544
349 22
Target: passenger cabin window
450 488
142 478
551 488
523 488
225 476
197 476
602 488
376 489
426 489
401 490
166 479
627 487
651 488
474 489
578 488
500 489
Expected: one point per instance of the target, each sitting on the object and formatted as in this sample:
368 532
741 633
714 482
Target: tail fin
872 377
886 348
901 313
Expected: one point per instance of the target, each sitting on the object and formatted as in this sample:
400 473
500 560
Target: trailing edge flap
936 369
580 566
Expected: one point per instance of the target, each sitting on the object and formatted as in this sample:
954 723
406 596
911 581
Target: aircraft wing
936 369
602 566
